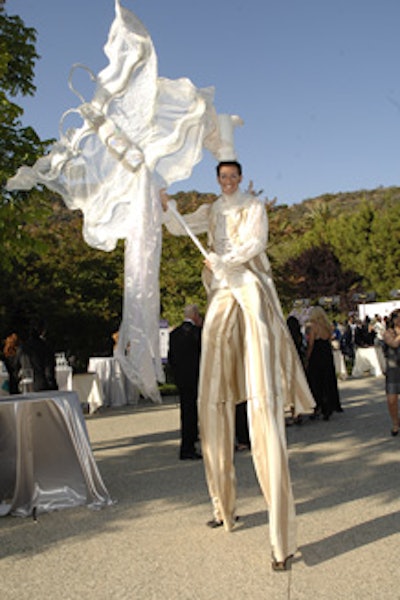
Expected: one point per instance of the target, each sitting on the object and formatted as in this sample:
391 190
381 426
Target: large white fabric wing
139 132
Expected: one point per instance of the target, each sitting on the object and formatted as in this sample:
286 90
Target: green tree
352 239
76 288
18 145
383 271
317 272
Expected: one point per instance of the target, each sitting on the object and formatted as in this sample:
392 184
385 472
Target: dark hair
229 163
11 344
391 319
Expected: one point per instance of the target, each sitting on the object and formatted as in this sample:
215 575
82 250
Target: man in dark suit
184 359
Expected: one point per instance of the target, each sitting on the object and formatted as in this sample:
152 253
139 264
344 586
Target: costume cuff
217 265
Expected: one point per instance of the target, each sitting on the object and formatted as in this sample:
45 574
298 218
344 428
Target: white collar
230 203
235 199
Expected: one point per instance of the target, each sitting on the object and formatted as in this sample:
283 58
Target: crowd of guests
317 340
346 337
360 334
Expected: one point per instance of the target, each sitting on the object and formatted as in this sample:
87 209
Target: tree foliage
317 272
18 145
76 288
369 243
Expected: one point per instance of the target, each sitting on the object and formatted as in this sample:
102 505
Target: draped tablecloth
89 390
340 365
368 360
117 389
46 462
64 378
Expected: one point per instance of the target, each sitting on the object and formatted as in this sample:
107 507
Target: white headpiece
221 141
226 126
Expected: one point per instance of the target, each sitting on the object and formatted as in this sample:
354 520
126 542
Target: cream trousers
243 345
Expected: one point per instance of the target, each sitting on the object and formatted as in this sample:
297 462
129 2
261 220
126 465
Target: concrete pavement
153 543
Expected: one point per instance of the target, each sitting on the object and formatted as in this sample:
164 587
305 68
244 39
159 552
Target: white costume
247 354
139 132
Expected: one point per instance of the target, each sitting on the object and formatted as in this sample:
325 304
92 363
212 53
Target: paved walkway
153 543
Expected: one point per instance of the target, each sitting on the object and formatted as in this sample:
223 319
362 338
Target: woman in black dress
391 338
320 368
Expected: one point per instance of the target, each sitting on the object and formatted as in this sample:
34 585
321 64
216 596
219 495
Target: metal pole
186 227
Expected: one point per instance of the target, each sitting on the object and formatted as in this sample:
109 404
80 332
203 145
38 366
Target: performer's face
229 179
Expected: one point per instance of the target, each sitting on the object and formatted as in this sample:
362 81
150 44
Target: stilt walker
247 353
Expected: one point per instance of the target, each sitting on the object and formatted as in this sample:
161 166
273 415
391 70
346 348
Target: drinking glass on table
26 381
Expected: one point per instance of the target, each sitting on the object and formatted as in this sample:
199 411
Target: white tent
377 308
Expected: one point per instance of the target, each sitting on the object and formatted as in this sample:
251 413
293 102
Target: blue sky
316 82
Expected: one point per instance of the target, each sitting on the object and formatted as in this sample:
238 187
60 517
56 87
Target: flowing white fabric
139 133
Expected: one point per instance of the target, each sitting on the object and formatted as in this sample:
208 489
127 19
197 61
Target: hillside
332 204
335 204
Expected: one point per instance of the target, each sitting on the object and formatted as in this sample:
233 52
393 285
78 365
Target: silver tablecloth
89 390
368 360
46 462
117 389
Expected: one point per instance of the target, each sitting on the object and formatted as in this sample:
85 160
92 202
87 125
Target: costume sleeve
254 236
197 221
